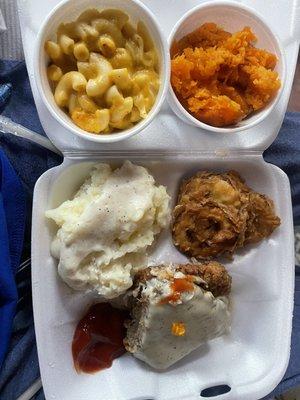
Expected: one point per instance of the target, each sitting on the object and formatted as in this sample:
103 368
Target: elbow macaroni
104 71
69 82
81 51
98 85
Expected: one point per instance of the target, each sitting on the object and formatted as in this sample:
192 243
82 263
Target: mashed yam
105 230
221 78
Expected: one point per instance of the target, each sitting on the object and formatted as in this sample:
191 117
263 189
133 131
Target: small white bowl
69 10
231 16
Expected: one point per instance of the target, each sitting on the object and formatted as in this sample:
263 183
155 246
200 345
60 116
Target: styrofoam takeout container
69 10
232 17
252 359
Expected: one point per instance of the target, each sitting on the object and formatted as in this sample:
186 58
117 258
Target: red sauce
98 338
178 286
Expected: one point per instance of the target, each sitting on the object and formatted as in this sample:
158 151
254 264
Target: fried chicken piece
218 213
214 276
175 309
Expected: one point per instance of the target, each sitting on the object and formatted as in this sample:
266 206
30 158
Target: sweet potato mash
221 78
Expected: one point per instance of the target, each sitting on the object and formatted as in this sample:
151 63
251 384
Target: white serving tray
253 357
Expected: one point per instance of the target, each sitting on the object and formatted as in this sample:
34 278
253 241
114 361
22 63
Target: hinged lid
167 132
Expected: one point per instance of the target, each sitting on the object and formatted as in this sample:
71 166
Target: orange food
178 329
178 286
221 78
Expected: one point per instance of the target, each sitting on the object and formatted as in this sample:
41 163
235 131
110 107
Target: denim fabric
12 221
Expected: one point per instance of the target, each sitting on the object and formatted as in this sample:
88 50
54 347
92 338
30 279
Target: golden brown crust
216 278
217 213
262 218
214 274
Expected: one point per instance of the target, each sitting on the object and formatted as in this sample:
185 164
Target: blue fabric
20 368
285 153
5 93
12 222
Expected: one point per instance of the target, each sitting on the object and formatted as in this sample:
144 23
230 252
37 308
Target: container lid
167 132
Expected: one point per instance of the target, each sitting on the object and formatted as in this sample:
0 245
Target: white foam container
253 357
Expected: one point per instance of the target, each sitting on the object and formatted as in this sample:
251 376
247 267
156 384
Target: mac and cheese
103 71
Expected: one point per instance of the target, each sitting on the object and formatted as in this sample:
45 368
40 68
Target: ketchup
98 338
178 286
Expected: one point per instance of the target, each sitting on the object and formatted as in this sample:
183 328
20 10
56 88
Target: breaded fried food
262 219
176 308
218 213
213 276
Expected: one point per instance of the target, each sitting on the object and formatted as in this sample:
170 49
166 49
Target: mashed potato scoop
105 229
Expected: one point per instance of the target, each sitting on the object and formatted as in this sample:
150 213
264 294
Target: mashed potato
105 230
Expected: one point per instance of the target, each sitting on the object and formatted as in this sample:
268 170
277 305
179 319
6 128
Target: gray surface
297 246
10 40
